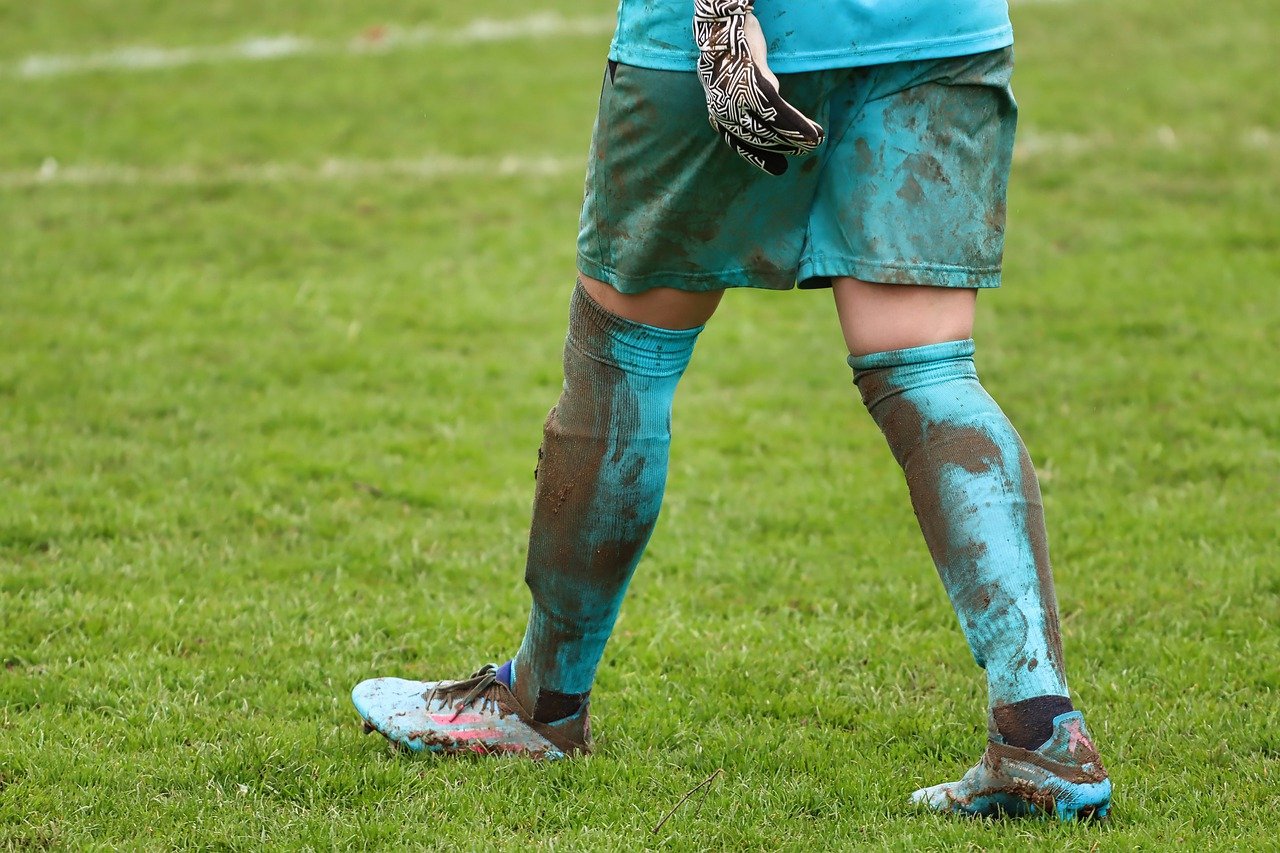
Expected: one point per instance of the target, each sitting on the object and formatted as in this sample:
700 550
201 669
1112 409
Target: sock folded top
926 354
881 375
625 344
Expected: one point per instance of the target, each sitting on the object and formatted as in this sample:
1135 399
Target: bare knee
664 307
883 317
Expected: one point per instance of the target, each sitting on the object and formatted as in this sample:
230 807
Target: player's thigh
915 191
882 317
669 205
909 219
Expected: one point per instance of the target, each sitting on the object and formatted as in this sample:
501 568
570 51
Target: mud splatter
1038 536
911 191
926 168
996 216
864 159
433 741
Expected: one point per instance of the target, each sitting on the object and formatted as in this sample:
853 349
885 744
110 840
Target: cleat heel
1063 779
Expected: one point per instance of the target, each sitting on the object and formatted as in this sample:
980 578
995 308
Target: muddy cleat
477 715
1064 777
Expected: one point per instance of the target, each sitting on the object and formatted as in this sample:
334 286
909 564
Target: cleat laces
475 687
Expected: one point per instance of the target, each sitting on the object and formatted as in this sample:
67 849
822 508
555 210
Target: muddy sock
976 497
601 474
1029 723
549 705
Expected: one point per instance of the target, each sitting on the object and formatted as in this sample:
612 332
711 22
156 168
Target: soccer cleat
478 715
1064 777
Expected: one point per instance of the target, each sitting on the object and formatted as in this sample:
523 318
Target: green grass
260 441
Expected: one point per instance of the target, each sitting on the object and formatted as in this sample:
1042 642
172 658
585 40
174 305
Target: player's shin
978 503
601 475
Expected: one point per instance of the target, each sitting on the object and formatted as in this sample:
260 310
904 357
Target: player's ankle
553 706
550 706
1028 723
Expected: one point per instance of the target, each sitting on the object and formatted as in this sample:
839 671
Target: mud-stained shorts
908 188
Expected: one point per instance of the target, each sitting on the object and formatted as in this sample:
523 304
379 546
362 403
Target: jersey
813 35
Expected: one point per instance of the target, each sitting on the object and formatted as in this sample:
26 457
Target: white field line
333 170
375 40
1260 138
1032 145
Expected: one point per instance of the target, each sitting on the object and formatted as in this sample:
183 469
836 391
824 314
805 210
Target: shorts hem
881 272
692 282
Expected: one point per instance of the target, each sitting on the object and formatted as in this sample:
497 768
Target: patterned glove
742 93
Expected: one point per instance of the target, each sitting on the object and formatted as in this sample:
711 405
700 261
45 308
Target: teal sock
602 470
978 503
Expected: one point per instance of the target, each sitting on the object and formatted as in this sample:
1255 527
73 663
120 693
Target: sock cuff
928 354
881 376
630 346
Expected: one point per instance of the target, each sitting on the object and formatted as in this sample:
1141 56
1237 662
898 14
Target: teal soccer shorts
909 187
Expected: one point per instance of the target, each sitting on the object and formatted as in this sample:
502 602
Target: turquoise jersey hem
792 63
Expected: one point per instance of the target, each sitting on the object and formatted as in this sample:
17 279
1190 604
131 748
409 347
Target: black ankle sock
1029 723
553 706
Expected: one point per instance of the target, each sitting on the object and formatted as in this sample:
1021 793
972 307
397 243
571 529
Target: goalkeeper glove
742 93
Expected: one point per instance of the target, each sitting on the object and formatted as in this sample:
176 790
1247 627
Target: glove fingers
789 123
744 99
751 129
773 162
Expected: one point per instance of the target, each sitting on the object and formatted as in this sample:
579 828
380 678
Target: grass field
277 338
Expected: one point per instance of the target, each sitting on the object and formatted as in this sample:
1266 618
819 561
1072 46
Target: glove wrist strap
719 10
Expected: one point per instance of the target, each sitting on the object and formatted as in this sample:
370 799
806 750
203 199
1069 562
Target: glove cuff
710 10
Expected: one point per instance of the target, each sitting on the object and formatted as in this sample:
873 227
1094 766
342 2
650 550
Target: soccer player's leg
928 154
662 236
601 477
601 474
978 503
